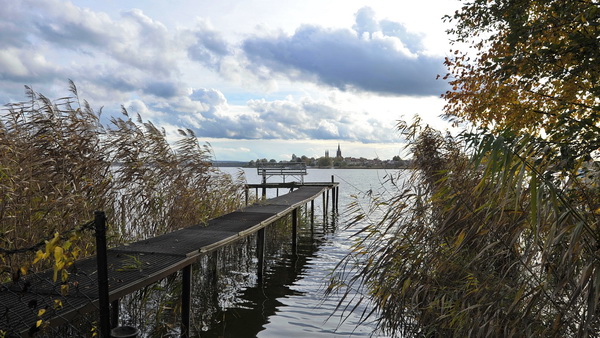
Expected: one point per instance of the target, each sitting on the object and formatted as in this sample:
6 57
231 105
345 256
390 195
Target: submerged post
114 314
264 182
295 232
186 303
312 215
102 264
337 198
260 254
327 202
333 195
324 211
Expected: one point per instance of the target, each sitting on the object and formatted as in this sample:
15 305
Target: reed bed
59 163
492 235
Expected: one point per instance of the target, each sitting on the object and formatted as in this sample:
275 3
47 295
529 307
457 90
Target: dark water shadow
257 303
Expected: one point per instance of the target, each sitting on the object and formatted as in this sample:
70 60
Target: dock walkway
139 264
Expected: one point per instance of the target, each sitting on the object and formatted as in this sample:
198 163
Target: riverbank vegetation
496 233
59 163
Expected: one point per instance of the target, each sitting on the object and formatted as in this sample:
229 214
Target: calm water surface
291 303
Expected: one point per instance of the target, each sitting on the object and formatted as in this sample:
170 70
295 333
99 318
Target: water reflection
256 304
291 301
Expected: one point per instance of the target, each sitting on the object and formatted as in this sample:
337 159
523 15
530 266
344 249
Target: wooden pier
136 265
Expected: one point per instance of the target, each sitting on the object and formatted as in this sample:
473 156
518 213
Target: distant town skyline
333 154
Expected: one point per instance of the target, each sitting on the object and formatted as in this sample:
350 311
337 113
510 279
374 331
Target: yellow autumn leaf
39 255
67 245
58 253
41 312
38 323
52 243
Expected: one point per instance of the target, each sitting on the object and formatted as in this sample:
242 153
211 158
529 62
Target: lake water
292 303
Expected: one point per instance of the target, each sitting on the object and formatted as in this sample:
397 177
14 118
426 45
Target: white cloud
218 73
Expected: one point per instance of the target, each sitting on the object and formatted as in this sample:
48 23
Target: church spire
339 152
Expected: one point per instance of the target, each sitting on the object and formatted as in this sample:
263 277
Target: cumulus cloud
164 89
209 46
135 40
44 41
133 58
376 56
25 65
288 119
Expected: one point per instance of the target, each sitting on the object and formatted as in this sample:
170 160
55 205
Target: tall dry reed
59 163
492 235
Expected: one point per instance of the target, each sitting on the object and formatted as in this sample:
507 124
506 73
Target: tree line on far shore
340 162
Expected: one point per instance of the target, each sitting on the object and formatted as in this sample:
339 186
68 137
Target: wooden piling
114 314
295 232
186 301
333 196
312 215
102 262
260 254
324 210
327 202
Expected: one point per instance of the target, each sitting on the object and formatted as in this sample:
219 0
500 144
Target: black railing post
102 263
186 303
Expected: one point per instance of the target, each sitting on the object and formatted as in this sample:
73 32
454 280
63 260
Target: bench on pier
294 169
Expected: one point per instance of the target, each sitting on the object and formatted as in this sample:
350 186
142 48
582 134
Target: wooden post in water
260 254
312 215
324 210
114 314
214 276
186 301
337 198
333 195
327 203
295 232
102 265
264 189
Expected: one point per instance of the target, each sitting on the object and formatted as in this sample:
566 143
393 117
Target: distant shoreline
342 168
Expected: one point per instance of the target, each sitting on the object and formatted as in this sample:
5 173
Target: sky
254 78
